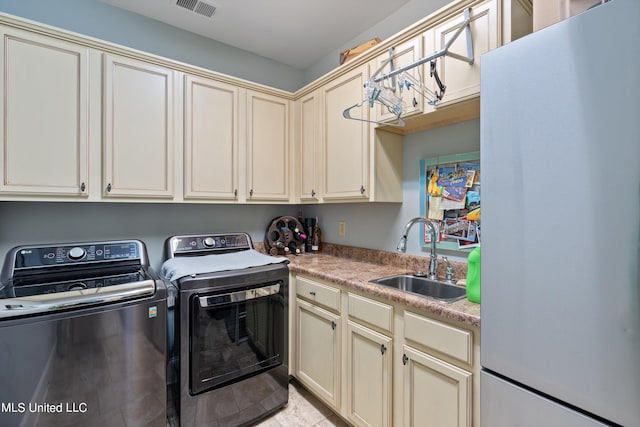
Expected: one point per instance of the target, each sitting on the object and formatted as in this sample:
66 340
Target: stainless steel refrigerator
560 291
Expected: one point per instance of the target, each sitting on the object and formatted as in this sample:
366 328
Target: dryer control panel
208 243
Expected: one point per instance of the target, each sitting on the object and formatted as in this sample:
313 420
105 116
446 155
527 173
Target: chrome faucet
433 229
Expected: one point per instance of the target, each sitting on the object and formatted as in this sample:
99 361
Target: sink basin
440 291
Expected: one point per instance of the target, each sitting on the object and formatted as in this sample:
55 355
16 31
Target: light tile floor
303 409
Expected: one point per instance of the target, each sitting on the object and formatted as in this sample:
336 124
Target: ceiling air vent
198 7
205 9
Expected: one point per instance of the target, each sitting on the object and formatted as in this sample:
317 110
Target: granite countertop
348 267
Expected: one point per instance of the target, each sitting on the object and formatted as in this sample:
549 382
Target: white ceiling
294 32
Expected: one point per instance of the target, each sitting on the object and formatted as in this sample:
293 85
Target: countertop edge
354 274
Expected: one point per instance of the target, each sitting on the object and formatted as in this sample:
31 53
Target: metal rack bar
386 96
442 52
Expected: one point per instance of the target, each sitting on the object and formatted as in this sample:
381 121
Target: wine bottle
299 234
293 248
316 239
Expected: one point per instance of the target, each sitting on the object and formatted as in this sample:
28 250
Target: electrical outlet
342 228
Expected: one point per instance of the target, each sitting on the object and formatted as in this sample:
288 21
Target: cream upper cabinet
211 131
267 147
318 351
462 80
345 142
139 114
309 147
359 163
402 55
369 376
45 121
436 393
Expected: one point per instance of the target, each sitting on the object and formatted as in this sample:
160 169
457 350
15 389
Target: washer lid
176 268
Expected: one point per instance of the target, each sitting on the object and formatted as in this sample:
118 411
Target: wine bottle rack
281 237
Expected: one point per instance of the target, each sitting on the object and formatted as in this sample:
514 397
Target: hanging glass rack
376 92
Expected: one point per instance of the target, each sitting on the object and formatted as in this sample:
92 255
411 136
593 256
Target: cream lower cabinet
139 122
439 385
436 393
398 368
44 122
369 376
318 338
318 351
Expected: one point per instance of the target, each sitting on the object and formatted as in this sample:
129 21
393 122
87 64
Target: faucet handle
450 270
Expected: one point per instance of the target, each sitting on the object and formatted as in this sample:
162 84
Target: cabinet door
369 376
318 351
44 120
403 54
267 147
139 137
309 147
436 393
211 139
462 80
346 142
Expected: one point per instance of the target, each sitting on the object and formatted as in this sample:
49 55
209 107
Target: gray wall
100 20
375 226
42 222
105 22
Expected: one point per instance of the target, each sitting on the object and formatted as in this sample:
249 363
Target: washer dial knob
209 242
76 253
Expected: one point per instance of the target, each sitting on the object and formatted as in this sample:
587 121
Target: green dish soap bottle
473 276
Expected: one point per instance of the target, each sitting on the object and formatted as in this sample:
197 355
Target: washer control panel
57 255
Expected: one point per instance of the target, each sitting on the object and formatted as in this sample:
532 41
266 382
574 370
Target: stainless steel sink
440 291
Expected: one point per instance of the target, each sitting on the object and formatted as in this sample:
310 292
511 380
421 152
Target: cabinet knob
109 188
383 348
82 187
333 325
405 359
313 294
251 193
313 193
362 190
235 193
